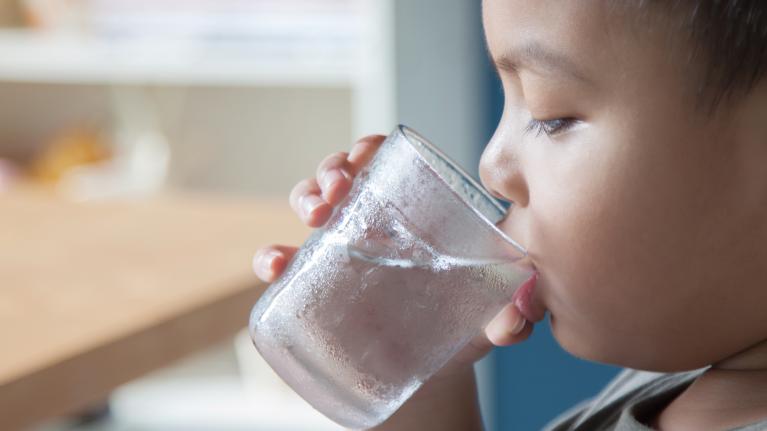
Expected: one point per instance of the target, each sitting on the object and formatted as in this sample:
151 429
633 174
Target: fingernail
268 260
520 326
262 262
330 178
309 203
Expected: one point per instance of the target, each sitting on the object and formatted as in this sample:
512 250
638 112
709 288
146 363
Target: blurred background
115 99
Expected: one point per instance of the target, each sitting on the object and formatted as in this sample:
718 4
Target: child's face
641 216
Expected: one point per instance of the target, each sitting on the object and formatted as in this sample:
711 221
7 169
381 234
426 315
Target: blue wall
535 380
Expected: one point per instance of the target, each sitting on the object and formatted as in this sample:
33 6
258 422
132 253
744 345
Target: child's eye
550 127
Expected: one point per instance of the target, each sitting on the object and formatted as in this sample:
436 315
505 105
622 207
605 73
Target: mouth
525 300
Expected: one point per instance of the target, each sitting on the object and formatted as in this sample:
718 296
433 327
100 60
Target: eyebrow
533 55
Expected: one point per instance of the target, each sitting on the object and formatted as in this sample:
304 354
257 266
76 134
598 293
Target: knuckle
334 160
298 190
304 184
331 159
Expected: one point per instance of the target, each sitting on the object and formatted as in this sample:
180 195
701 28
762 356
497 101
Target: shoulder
627 388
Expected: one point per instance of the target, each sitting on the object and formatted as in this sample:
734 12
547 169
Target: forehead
601 38
586 18
572 27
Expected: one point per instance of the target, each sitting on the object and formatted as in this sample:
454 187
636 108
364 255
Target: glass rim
407 132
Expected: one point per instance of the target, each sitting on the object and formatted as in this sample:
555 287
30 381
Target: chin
580 347
634 355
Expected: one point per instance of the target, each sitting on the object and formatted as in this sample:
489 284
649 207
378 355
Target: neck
752 359
729 394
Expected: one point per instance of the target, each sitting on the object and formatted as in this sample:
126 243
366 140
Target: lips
524 299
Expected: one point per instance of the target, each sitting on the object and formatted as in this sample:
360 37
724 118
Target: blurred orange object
54 14
70 149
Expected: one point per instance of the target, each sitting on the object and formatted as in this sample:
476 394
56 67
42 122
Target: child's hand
313 200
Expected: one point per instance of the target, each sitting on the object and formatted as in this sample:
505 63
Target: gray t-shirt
631 397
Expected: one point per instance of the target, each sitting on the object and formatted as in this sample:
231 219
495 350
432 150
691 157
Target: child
633 145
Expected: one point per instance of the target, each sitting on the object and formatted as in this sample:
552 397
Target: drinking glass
407 270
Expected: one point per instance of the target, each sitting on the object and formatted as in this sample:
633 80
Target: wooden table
94 295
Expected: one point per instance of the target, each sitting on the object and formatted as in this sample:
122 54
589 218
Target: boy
633 145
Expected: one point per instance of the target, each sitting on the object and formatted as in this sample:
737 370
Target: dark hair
729 41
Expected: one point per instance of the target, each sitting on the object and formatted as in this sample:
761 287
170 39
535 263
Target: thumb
508 327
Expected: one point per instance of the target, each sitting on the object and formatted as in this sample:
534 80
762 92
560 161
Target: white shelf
28 56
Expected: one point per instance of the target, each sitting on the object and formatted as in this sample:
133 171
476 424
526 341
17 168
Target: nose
500 171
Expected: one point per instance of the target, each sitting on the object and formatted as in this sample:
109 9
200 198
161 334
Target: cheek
579 229
602 233
628 233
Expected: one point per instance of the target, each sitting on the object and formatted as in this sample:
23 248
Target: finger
480 344
363 151
334 177
269 262
508 327
308 205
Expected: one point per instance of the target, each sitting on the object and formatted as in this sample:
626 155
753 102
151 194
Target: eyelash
551 127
